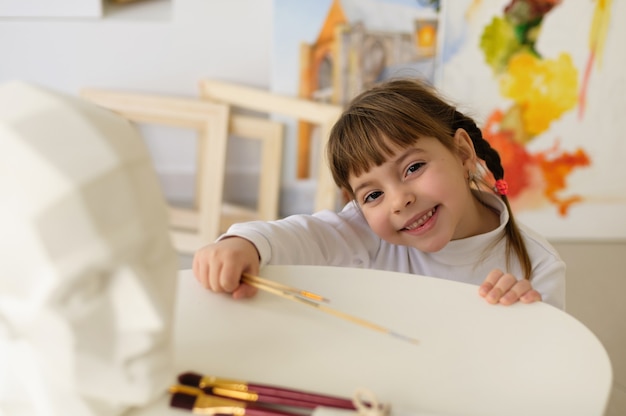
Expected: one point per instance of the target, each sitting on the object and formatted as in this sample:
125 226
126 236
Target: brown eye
414 167
372 196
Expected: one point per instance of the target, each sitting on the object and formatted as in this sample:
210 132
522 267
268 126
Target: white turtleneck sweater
345 239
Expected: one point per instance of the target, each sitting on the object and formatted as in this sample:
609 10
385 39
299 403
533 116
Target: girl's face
420 196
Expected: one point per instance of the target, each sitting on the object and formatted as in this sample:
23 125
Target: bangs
368 146
381 121
364 141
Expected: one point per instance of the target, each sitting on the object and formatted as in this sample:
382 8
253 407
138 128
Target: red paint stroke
582 96
555 165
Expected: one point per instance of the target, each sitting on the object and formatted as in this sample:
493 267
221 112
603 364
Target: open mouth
420 221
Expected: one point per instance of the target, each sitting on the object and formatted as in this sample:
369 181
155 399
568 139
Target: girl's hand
504 288
219 266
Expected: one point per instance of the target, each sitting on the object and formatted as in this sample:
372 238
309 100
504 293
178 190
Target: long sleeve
324 238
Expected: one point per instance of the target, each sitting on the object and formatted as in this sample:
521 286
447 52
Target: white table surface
472 358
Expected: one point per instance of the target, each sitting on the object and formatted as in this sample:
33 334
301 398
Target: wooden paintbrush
259 281
262 393
311 300
198 402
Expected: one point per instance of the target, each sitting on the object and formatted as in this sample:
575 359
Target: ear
465 149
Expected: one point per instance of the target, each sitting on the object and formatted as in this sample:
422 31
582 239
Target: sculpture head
87 271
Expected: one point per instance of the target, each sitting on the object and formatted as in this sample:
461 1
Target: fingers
496 285
531 296
221 272
504 288
219 266
244 291
199 269
226 277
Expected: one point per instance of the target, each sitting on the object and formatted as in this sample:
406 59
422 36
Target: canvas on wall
546 80
330 50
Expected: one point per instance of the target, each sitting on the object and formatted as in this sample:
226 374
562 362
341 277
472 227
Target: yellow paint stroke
544 88
597 38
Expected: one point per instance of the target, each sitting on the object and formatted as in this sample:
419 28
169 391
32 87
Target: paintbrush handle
262 283
326 309
288 401
194 399
254 392
253 397
316 399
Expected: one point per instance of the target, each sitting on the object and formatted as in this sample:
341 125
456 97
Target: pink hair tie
502 188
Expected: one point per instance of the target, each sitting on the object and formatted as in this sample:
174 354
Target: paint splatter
540 90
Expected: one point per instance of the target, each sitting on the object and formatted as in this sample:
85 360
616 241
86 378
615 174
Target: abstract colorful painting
546 80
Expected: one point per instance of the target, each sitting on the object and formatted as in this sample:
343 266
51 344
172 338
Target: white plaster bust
87 269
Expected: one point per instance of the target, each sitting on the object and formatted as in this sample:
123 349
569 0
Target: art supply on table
198 402
263 393
310 299
258 281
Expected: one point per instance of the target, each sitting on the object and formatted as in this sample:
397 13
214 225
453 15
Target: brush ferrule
236 394
208 405
180 388
211 381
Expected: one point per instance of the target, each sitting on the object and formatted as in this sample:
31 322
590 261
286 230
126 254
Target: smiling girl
415 170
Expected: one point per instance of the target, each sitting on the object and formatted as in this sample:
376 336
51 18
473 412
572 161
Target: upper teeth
421 220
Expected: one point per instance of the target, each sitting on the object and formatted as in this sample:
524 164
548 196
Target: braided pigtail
490 156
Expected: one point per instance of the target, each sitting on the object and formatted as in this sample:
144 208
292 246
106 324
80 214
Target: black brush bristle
190 379
183 401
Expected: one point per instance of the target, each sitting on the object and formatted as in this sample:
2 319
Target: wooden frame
191 228
323 115
270 134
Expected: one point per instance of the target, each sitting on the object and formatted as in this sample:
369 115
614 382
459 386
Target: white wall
170 46
155 46
167 50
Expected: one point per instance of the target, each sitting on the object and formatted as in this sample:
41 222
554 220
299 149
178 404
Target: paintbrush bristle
190 379
183 401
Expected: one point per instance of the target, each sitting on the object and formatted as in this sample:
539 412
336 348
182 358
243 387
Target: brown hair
398 112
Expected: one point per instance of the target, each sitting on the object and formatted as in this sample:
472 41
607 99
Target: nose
401 198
